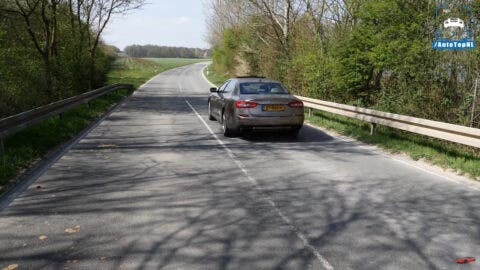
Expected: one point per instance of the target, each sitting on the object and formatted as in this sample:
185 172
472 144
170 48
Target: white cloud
183 20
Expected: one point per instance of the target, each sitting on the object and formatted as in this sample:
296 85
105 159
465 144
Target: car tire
210 116
227 130
295 130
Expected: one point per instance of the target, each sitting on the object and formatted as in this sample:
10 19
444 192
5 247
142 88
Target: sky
160 22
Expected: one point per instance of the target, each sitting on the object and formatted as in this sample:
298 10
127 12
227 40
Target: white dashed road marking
253 181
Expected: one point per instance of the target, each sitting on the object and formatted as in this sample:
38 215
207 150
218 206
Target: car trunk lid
265 108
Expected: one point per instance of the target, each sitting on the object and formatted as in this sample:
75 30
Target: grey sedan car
254 103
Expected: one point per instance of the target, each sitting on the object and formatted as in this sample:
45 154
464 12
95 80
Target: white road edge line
149 81
252 180
339 137
205 78
378 151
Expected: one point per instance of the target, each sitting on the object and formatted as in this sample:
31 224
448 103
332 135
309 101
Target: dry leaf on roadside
11 267
107 146
73 230
42 237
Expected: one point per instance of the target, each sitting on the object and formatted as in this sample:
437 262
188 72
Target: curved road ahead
156 186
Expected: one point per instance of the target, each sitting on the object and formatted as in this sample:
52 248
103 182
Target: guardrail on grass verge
15 123
449 132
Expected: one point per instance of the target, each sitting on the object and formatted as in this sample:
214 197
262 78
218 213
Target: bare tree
278 16
316 10
40 23
223 14
344 11
88 18
92 18
281 15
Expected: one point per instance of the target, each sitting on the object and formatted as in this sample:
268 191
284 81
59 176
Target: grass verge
464 160
213 76
30 145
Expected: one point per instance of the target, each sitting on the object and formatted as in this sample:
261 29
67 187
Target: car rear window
260 88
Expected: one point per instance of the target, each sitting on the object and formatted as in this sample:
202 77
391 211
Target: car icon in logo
454 22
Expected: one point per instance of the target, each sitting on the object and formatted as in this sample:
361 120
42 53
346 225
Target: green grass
214 77
175 62
138 70
30 145
464 160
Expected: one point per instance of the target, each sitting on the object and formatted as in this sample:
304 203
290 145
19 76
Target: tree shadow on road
161 193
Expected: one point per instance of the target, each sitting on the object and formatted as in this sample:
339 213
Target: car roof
255 79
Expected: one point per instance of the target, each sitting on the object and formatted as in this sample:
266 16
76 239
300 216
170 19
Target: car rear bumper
270 121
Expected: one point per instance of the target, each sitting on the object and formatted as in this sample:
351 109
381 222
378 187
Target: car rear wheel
210 116
294 130
227 130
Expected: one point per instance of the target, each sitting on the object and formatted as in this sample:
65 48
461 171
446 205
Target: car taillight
296 104
242 104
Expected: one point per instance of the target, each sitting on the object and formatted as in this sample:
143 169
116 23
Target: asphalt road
156 186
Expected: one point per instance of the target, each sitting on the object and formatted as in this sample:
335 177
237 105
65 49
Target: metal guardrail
449 132
15 123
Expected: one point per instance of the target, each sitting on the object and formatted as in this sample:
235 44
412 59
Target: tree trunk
91 73
48 75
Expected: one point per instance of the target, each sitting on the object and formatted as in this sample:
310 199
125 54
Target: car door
215 101
225 97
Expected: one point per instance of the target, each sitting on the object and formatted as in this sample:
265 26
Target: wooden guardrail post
373 128
2 147
309 112
2 153
474 105
131 90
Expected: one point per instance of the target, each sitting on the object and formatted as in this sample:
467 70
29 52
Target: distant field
138 70
176 61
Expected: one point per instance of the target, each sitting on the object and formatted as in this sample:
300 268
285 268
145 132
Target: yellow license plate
274 108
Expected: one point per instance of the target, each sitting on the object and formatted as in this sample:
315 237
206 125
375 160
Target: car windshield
260 88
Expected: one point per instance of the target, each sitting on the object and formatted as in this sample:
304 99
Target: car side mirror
213 90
